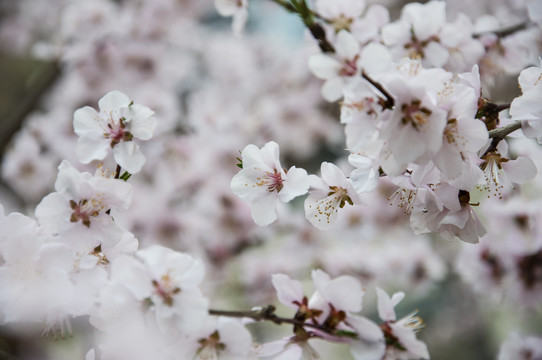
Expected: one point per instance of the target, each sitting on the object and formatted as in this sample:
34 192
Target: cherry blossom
327 195
339 70
118 124
401 341
263 182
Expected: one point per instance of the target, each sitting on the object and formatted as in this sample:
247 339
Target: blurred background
214 93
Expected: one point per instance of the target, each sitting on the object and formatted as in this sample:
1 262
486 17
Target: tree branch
268 314
504 32
390 102
500 133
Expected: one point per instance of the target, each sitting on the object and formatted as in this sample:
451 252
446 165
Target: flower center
165 289
85 209
350 67
210 347
117 133
414 114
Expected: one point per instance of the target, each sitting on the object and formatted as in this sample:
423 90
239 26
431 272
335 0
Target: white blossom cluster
390 131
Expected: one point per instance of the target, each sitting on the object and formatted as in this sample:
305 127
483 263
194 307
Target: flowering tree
407 164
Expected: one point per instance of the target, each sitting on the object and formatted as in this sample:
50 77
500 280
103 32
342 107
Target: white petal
89 149
386 304
140 120
113 100
375 58
321 211
520 170
296 184
86 122
333 89
288 290
347 47
264 212
344 292
324 66
128 156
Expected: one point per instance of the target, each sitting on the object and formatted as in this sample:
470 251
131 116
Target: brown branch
504 32
390 102
500 133
268 314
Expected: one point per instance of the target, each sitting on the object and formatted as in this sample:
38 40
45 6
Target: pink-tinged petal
264 212
332 90
458 218
386 304
86 122
288 290
141 122
296 184
113 100
128 156
520 170
324 66
448 195
347 47
89 149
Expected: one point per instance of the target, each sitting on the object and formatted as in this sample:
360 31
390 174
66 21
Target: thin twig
390 102
504 131
504 32
268 314
500 133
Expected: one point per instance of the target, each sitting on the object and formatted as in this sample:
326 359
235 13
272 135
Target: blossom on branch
263 182
116 127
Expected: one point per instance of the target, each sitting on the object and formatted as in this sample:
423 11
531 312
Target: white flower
226 339
401 341
115 127
80 207
340 69
263 181
501 172
414 133
167 282
417 33
327 195
528 107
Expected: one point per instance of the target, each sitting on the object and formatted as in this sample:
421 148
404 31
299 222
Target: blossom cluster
381 109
